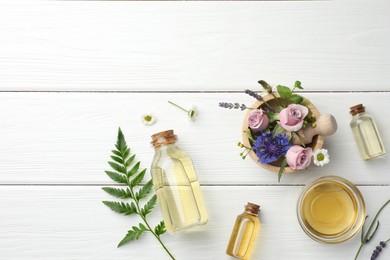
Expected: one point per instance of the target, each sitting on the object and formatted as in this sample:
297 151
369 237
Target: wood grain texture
66 138
58 223
126 45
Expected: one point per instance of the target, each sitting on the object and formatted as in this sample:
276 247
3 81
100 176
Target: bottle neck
251 213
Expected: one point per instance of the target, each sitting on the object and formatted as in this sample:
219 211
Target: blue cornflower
270 148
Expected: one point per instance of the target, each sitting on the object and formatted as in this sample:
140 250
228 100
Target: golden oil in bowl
331 210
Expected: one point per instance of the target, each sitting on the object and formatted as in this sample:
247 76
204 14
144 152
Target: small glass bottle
242 239
176 184
366 133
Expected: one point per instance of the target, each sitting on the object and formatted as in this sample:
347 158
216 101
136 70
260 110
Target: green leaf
121 142
130 160
144 191
149 206
265 85
131 235
116 177
117 159
284 92
272 117
126 153
160 228
137 180
133 170
296 99
119 193
281 169
117 167
121 207
277 130
298 84
116 153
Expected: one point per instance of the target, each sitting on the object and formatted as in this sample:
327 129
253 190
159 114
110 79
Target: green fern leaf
133 234
116 153
129 161
117 167
119 193
144 191
121 143
160 228
117 159
116 177
121 207
137 179
126 153
149 206
133 170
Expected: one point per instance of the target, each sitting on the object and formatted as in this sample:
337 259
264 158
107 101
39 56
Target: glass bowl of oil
331 210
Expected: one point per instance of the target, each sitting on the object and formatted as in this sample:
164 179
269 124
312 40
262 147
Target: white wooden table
72 72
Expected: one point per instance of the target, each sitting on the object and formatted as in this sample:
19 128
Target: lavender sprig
253 94
233 105
365 238
378 249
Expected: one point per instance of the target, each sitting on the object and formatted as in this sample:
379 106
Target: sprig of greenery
366 237
127 172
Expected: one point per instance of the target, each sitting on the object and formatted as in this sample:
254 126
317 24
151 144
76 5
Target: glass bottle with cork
242 239
366 133
176 184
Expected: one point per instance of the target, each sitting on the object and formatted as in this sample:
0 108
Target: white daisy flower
321 157
192 113
148 119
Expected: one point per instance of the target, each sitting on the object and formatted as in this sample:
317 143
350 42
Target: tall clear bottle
176 184
242 239
366 133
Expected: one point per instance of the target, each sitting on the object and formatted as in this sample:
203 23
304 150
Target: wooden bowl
316 143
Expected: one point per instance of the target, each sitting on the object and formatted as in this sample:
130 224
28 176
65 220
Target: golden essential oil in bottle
366 133
330 209
176 184
245 230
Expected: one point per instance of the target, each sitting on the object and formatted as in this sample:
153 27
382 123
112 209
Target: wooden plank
56 222
67 137
125 45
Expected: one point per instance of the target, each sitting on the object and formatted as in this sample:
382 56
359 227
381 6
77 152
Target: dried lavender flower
253 94
232 105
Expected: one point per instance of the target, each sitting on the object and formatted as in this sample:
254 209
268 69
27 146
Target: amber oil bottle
242 239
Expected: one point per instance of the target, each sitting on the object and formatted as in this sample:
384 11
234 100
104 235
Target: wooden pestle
325 125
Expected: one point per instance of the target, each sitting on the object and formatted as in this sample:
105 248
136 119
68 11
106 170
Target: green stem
374 220
144 218
276 99
178 106
358 252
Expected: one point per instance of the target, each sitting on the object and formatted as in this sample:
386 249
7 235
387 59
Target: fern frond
133 234
117 159
119 193
117 167
160 228
144 191
137 179
121 207
133 170
116 177
149 206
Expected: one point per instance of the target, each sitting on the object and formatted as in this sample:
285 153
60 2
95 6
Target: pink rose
257 120
298 157
291 118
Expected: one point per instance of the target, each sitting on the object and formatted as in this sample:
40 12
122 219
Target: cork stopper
165 137
252 208
356 109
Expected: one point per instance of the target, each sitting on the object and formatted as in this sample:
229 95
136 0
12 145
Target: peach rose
298 157
257 120
291 117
